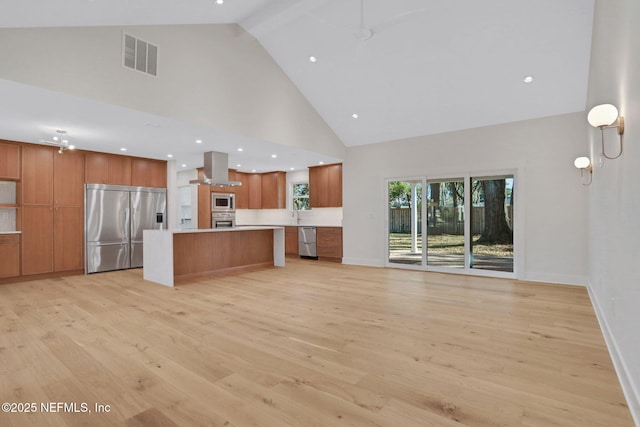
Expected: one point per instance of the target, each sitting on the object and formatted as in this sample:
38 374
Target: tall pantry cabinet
52 210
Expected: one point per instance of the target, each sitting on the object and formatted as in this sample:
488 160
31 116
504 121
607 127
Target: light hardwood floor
311 344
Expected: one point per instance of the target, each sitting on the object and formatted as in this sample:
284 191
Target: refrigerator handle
131 224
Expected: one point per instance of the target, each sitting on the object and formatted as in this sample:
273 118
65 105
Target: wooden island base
178 256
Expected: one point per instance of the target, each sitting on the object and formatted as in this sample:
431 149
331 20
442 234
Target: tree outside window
301 197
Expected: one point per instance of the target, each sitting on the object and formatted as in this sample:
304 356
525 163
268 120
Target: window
301 197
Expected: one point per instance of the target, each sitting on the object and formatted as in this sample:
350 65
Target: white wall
233 83
614 205
551 201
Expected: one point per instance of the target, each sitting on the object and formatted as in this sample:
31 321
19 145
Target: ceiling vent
140 55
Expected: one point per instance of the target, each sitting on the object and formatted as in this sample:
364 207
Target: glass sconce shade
582 162
602 115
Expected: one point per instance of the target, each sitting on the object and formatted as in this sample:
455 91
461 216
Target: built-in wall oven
223 219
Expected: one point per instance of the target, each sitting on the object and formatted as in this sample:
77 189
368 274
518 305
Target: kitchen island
176 256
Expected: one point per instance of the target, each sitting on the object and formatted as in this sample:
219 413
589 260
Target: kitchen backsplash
7 219
328 217
7 192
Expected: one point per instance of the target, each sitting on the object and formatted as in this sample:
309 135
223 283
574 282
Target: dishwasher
307 242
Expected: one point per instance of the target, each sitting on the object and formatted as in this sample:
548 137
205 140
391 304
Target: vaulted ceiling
404 67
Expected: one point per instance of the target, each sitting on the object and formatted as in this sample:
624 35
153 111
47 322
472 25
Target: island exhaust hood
216 170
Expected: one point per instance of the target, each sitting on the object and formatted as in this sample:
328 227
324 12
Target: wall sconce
606 116
584 164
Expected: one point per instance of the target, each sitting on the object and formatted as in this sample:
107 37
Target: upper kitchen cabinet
274 190
101 168
68 179
9 161
254 188
261 190
37 174
148 173
325 186
242 192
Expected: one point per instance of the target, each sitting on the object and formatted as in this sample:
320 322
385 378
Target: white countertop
10 232
215 230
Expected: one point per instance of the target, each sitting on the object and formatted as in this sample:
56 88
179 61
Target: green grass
446 243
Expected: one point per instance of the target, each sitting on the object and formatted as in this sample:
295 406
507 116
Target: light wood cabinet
148 173
52 210
68 242
68 178
255 190
334 184
204 202
261 190
37 175
102 168
10 255
329 243
37 239
242 192
291 240
274 190
96 168
325 186
9 161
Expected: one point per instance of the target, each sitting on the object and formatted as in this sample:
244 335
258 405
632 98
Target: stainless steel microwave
223 202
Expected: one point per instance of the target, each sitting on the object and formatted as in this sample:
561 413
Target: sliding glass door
405 222
465 223
445 223
492 223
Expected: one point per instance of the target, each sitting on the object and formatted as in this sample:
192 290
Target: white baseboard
629 388
365 262
561 279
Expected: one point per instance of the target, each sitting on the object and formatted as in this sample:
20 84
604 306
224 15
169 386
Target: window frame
518 226
294 197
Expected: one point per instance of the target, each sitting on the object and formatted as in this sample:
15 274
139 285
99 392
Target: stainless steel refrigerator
115 217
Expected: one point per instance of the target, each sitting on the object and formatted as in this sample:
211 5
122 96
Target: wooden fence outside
440 220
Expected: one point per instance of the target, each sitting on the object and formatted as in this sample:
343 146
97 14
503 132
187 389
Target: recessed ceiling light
169 155
184 166
72 147
240 149
528 79
355 116
292 169
219 1
238 165
313 58
253 170
123 149
321 163
273 156
198 141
